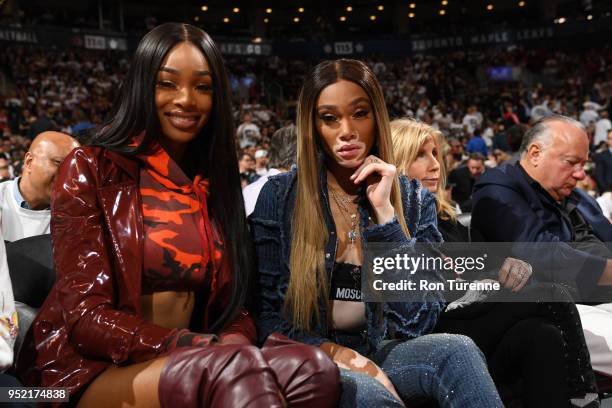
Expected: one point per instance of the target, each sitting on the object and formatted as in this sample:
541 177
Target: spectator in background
472 119
603 165
602 127
588 183
283 148
462 180
14 148
81 124
248 132
24 201
5 169
588 115
19 220
43 123
499 138
605 202
500 157
261 162
24 121
536 201
589 104
455 155
514 136
477 144
510 117
541 110
3 122
246 167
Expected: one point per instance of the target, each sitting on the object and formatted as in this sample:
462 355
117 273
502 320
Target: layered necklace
344 203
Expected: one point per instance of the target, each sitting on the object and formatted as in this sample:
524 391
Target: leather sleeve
86 286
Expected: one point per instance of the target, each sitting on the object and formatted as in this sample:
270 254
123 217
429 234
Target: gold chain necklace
343 204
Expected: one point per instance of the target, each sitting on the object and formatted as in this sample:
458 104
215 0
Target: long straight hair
408 136
212 152
308 280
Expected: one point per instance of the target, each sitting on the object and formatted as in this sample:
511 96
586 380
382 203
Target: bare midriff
168 309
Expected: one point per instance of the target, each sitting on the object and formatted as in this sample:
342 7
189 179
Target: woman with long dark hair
153 257
311 226
532 333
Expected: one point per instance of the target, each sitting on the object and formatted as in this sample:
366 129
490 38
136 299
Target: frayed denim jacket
271 229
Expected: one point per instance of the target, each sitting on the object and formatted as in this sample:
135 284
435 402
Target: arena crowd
72 92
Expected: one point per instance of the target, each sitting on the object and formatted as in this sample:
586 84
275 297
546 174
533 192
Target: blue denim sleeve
423 208
272 277
427 227
389 232
415 318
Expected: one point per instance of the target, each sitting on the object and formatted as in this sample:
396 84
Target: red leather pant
281 373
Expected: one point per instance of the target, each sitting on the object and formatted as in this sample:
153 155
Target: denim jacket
271 229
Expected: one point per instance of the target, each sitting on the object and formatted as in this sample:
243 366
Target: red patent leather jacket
91 318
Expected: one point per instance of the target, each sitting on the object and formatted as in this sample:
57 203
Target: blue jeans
446 368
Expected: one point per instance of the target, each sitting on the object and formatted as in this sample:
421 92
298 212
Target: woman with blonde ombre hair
540 343
311 226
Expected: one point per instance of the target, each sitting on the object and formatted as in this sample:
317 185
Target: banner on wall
393 47
98 42
63 38
95 42
18 35
243 48
482 39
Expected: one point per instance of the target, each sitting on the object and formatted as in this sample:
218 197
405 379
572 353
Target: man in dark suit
603 166
536 201
462 180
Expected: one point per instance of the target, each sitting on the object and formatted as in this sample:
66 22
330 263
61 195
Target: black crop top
346 282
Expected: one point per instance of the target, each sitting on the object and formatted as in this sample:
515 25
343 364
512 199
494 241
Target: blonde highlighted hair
308 279
409 136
